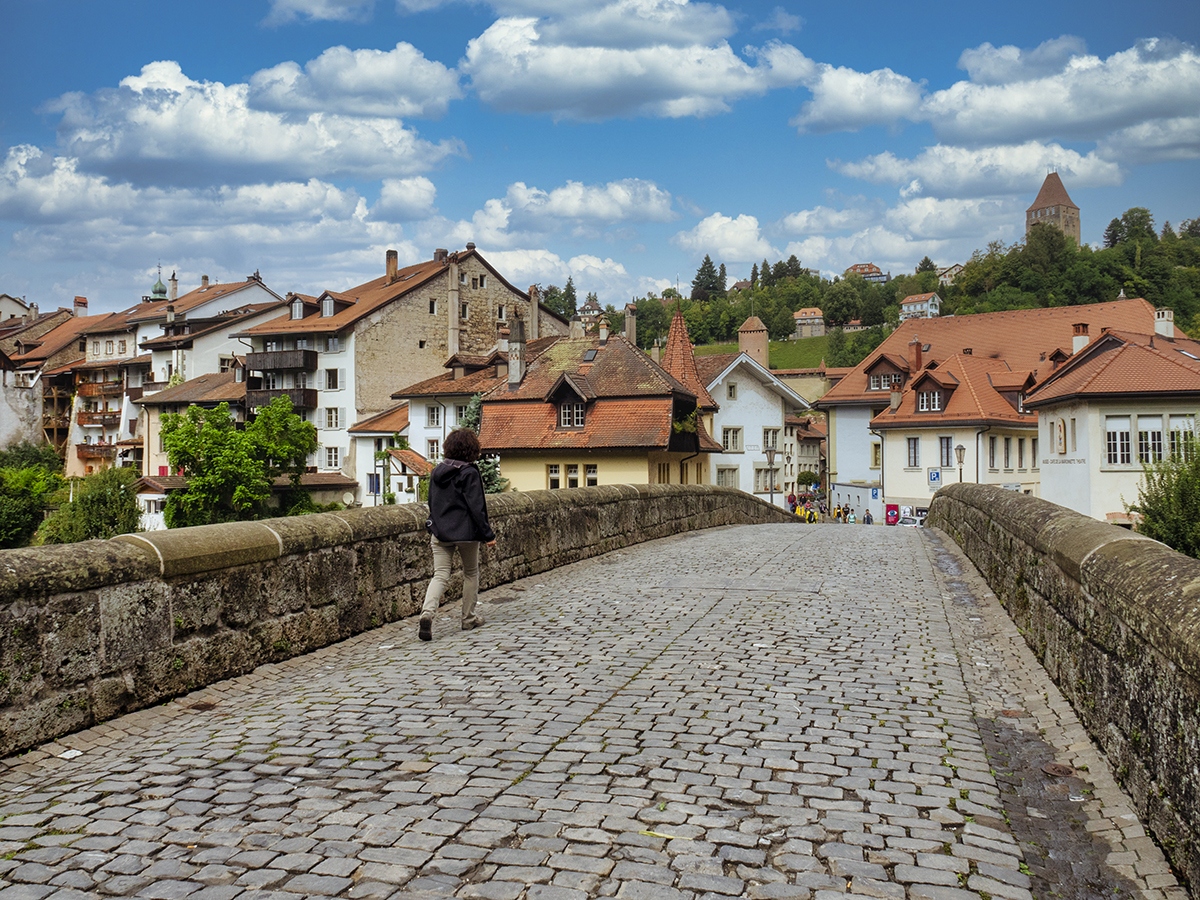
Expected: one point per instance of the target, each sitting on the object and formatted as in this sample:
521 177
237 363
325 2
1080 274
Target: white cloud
283 11
630 24
726 239
526 64
399 82
607 277
847 100
161 125
822 218
780 20
1087 99
926 218
1162 139
945 171
628 200
986 64
405 199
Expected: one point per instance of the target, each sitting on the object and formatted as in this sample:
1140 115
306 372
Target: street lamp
771 471
787 470
960 451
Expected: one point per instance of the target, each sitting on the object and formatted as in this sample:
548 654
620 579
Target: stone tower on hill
1054 206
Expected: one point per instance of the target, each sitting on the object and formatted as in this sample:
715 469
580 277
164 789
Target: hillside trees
104 505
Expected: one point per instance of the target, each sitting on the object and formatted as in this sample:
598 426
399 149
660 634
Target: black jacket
456 505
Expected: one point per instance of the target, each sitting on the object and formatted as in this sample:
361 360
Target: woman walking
457 519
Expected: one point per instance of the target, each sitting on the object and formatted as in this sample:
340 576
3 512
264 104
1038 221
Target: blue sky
615 141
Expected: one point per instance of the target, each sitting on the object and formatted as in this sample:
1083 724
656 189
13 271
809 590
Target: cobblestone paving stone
776 711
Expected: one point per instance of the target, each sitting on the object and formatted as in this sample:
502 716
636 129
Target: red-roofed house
1120 402
380 474
1033 341
593 411
920 306
810 322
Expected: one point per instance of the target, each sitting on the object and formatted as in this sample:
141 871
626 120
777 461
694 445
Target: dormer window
327 307
297 309
929 401
570 415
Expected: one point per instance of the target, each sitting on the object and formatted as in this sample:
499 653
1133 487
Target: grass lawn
805 353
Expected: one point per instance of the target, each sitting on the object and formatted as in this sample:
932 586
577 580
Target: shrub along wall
89 631
1115 619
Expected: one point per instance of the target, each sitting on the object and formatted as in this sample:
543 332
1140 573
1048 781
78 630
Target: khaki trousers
443 559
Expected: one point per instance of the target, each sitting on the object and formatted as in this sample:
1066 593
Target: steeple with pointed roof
1054 206
679 360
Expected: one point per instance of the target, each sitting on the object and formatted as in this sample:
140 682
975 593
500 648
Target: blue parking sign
874 493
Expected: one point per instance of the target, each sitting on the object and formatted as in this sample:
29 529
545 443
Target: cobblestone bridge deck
776 711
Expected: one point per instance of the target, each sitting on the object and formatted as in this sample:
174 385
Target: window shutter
342 422
341 379
320 379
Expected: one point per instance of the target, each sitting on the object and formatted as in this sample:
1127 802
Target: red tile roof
680 360
1120 364
1025 338
968 397
623 423
413 461
58 338
917 298
470 383
390 421
215 387
158 308
1053 193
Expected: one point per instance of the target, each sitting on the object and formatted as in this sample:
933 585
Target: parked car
911 521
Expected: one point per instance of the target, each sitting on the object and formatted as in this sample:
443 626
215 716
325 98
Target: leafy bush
104 506
1169 501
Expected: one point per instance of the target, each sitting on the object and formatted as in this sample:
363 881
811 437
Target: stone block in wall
204 548
70 629
196 605
134 619
285 586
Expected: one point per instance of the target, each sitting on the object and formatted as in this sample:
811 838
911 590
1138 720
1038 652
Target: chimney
894 402
575 333
33 312
914 355
603 331
173 288
470 245
391 261
655 351
170 312
502 339
441 255
1080 339
80 308
1164 323
204 282
535 306
631 323
516 354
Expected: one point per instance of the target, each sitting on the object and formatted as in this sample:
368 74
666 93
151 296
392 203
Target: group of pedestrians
809 510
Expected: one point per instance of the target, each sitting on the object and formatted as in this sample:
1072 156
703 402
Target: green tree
27 454
104 505
754 275
570 303
766 275
230 471
793 267
842 302
722 281
704 285
1113 234
1169 501
926 265
23 496
489 464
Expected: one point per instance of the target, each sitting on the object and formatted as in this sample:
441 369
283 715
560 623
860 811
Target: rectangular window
460 413
373 483
331 417
1150 439
500 313
876 456
333 344
664 473
570 415
272 346
462 312
225 364
1020 453
474 282
770 438
433 449
763 479
271 381
877 382
991 453
433 307
731 391
553 480
591 475
1116 441
483 281
433 416
121 345
945 452
95 348
1073 445
333 457
731 439
1033 457
914 452
331 380
572 475
301 343
1008 453
929 401
727 477
301 379
1183 433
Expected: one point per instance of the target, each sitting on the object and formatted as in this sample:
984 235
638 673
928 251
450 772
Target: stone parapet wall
1115 619
90 631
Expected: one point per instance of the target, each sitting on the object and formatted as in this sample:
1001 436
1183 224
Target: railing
108 418
99 388
96 451
282 360
59 421
302 398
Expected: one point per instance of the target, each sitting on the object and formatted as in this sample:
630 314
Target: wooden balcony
99 389
96 451
282 361
108 418
302 398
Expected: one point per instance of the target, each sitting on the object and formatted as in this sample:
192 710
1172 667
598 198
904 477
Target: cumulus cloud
283 11
780 20
986 64
628 200
552 65
727 239
1087 99
926 218
399 82
162 126
405 199
847 100
946 171
1157 141
607 277
823 218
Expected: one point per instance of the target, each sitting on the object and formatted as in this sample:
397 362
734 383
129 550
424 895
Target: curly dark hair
462 444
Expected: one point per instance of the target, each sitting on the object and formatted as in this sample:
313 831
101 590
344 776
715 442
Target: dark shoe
425 632
471 622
